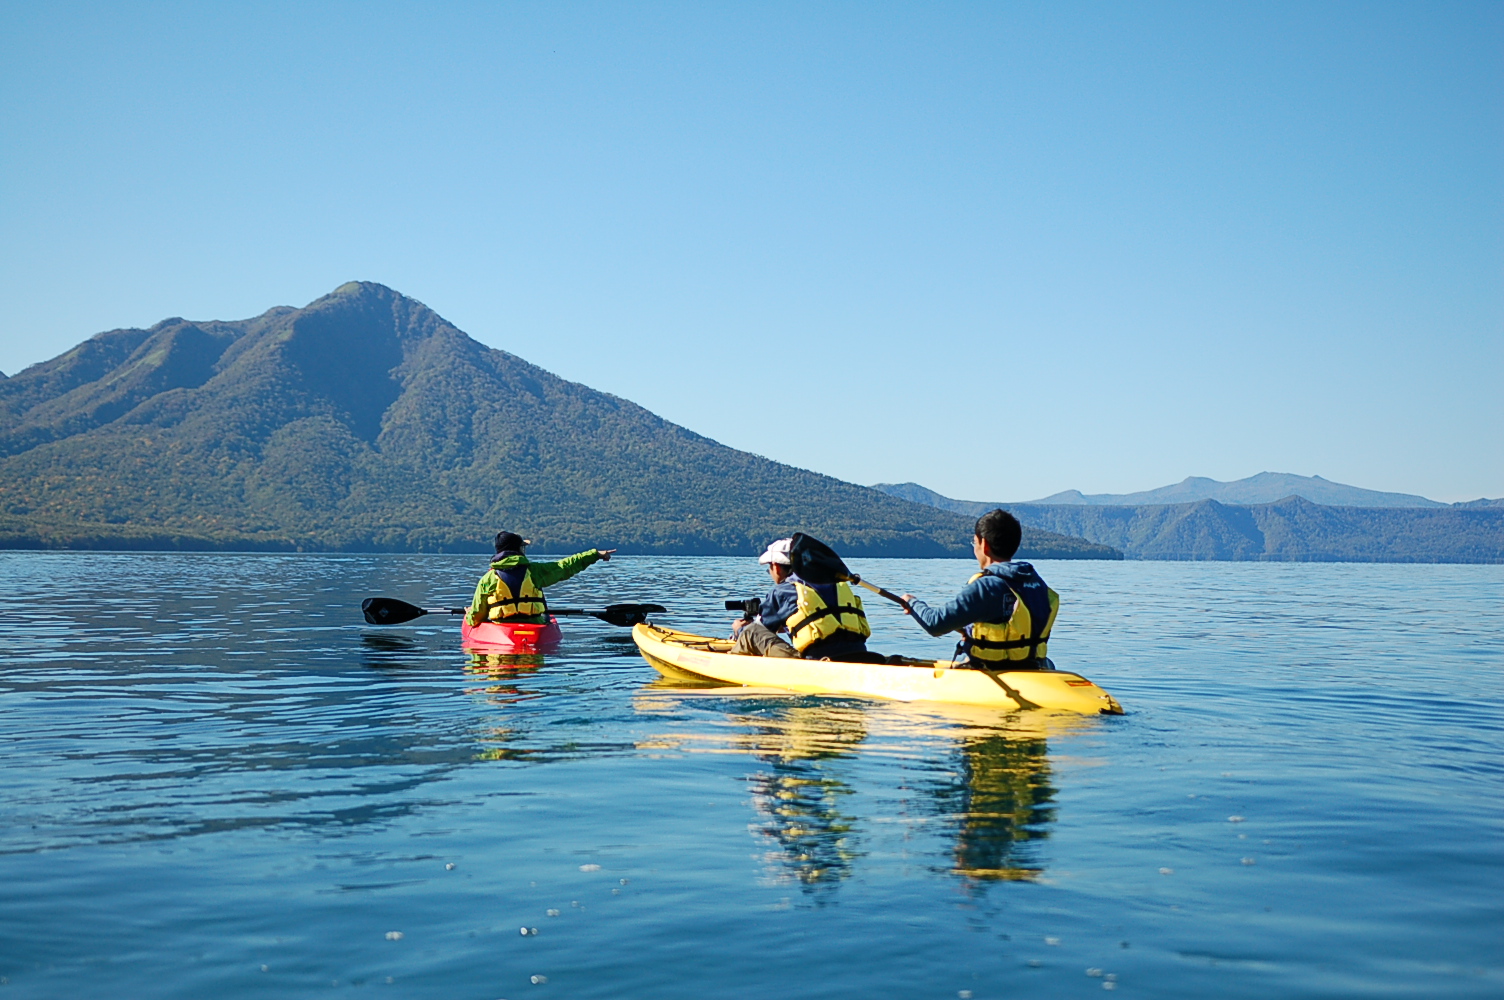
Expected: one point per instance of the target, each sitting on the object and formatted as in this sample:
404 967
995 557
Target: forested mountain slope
367 422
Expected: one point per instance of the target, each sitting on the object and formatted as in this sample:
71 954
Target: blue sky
998 249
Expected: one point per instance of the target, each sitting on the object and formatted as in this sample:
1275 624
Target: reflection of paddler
502 670
798 798
1002 799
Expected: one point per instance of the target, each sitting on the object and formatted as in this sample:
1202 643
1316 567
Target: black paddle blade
389 611
627 615
815 562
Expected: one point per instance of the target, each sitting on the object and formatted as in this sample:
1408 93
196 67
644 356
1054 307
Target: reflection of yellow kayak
685 655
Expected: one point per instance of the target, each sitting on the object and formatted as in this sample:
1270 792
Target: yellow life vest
818 619
515 596
1025 635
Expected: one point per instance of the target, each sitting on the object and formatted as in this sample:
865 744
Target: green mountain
1292 529
366 422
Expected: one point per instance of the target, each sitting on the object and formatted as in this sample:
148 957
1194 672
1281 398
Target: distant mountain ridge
1290 529
366 422
1266 487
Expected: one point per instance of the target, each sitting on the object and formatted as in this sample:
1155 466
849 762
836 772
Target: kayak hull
686 656
515 637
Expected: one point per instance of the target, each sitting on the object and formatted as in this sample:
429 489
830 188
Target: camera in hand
750 607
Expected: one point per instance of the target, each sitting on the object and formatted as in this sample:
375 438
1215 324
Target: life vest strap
840 609
1008 643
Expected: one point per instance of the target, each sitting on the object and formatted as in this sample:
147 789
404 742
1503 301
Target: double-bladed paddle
390 611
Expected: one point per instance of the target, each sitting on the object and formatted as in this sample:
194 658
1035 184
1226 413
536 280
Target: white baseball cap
778 552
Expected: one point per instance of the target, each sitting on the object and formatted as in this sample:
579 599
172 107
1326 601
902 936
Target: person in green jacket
512 589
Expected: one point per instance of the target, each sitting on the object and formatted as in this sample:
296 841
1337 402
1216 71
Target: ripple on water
244 773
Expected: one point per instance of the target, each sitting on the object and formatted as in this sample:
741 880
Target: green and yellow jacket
512 589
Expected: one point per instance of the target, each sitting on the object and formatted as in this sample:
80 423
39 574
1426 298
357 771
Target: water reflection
999 802
384 652
499 674
986 779
798 796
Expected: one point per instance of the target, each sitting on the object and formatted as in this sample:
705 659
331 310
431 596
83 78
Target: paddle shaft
891 596
881 592
390 611
552 611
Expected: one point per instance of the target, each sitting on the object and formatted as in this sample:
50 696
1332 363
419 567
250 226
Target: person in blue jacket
824 621
1005 611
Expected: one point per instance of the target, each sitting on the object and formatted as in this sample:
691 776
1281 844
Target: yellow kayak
697 657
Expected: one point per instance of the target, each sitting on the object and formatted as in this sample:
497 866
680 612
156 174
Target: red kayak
512 637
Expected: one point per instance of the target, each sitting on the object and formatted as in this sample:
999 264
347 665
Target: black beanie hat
509 541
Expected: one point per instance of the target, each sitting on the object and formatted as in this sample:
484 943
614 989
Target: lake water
218 782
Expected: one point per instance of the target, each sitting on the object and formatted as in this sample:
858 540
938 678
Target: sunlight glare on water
220 782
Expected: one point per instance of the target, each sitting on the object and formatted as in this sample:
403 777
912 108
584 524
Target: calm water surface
218 782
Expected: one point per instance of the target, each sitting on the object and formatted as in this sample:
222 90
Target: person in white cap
760 637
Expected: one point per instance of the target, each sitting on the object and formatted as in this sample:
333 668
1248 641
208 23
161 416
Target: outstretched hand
908 601
606 554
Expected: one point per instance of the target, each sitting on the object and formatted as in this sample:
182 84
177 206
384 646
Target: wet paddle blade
389 611
627 615
816 562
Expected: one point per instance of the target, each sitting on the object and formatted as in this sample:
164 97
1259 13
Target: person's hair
509 541
1002 533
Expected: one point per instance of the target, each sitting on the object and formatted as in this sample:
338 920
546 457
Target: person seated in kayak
1006 609
512 589
824 621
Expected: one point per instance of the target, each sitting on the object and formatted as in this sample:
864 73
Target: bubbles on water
1094 973
590 868
1109 985
449 867
1167 871
1249 861
1234 819
1035 963
394 935
964 994
539 980
574 902
551 912
266 968
625 881
527 931
1053 942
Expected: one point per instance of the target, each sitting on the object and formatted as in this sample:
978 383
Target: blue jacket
780 604
988 599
